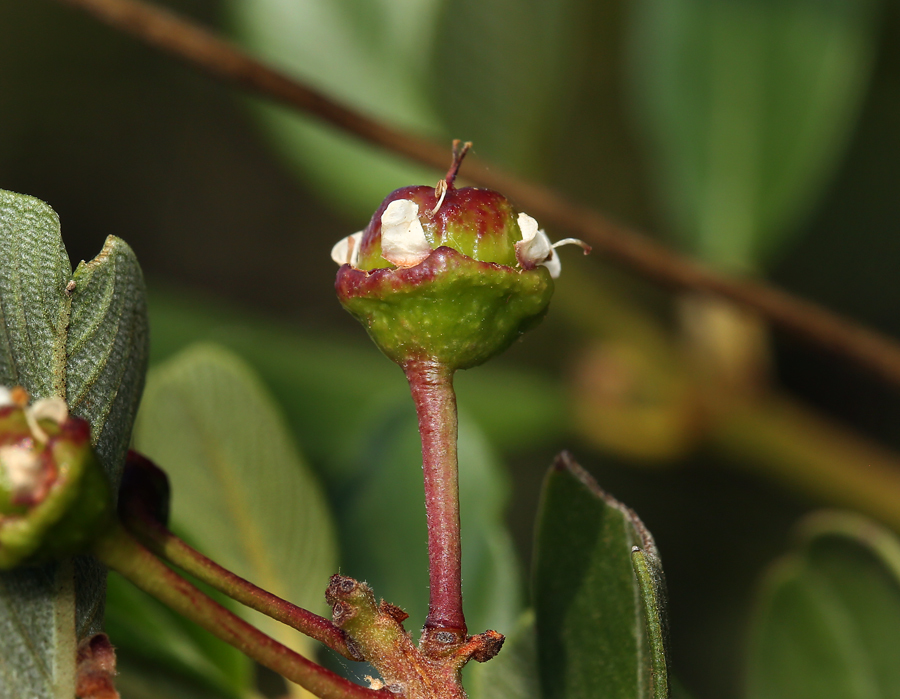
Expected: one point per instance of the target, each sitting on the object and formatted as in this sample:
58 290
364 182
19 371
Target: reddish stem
172 549
431 384
122 553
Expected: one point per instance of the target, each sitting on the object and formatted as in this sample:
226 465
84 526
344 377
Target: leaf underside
59 342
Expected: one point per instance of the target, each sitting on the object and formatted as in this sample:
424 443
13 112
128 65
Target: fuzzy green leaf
107 349
598 593
43 611
827 621
34 308
240 490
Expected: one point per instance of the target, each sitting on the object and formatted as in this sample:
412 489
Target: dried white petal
534 248
528 226
553 263
403 241
346 252
22 468
54 409
6 397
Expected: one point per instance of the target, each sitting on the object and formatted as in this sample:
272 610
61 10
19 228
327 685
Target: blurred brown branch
619 243
636 390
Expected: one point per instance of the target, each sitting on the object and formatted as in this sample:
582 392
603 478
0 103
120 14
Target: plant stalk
431 384
124 554
171 548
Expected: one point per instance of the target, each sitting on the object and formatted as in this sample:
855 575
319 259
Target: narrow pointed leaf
598 593
107 349
827 620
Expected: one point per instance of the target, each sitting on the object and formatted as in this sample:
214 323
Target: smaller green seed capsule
447 275
54 498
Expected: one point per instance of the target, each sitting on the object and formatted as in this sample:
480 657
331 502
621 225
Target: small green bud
54 497
445 274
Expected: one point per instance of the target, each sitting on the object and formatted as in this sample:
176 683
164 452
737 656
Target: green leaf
367 54
383 527
598 593
827 620
513 674
34 308
107 350
43 611
240 490
747 107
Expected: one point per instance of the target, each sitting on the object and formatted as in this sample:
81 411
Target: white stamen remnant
51 409
440 191
403 241
21 467
536 249
346 252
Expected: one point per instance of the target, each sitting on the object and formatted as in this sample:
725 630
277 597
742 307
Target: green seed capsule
447 275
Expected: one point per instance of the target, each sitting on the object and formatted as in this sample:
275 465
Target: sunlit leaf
747 107
827 621
240 489
598 592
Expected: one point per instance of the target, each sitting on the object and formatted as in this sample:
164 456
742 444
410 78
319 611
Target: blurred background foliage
758 135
